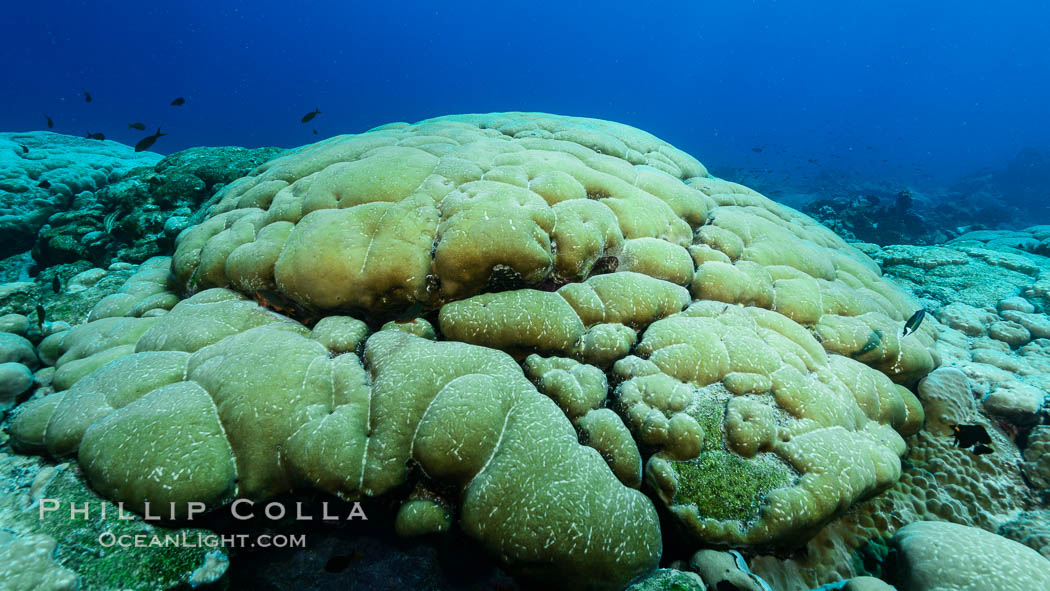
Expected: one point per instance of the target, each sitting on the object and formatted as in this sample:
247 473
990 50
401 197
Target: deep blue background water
893 88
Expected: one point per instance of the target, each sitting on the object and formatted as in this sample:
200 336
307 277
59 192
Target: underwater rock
1022 183
127 220
884 219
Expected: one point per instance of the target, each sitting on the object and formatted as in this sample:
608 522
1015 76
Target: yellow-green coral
206 424
746 346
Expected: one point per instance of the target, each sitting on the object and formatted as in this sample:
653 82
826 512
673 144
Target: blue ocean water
906 90
897 123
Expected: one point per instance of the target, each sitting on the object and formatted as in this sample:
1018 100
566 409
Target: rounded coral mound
424 214
942 556
533 314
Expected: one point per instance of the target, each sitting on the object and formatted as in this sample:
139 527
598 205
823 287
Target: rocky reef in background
908 218
1022 184
44 173
670 340
139 216
103 202
884 212
107 208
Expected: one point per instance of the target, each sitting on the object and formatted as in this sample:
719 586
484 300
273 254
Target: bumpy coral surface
465 300
995 373
71 166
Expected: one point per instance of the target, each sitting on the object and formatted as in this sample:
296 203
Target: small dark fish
50 123
283 305
25 150
178 102
812 160
138 126
147 141
41 315
414 311
340 562
315 132
310 115
756 149
873 342
95 136
44 184
980 450
56 284
275 301
970 435
87 96
913 323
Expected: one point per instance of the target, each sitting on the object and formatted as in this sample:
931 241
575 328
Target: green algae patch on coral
725 486
709 413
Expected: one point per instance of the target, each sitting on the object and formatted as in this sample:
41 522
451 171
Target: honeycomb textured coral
737 334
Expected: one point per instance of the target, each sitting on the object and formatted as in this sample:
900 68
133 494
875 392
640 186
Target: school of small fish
148 141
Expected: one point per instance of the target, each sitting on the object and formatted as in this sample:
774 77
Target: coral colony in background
560 339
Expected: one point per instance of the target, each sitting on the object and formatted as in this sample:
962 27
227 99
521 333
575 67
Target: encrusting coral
402 278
